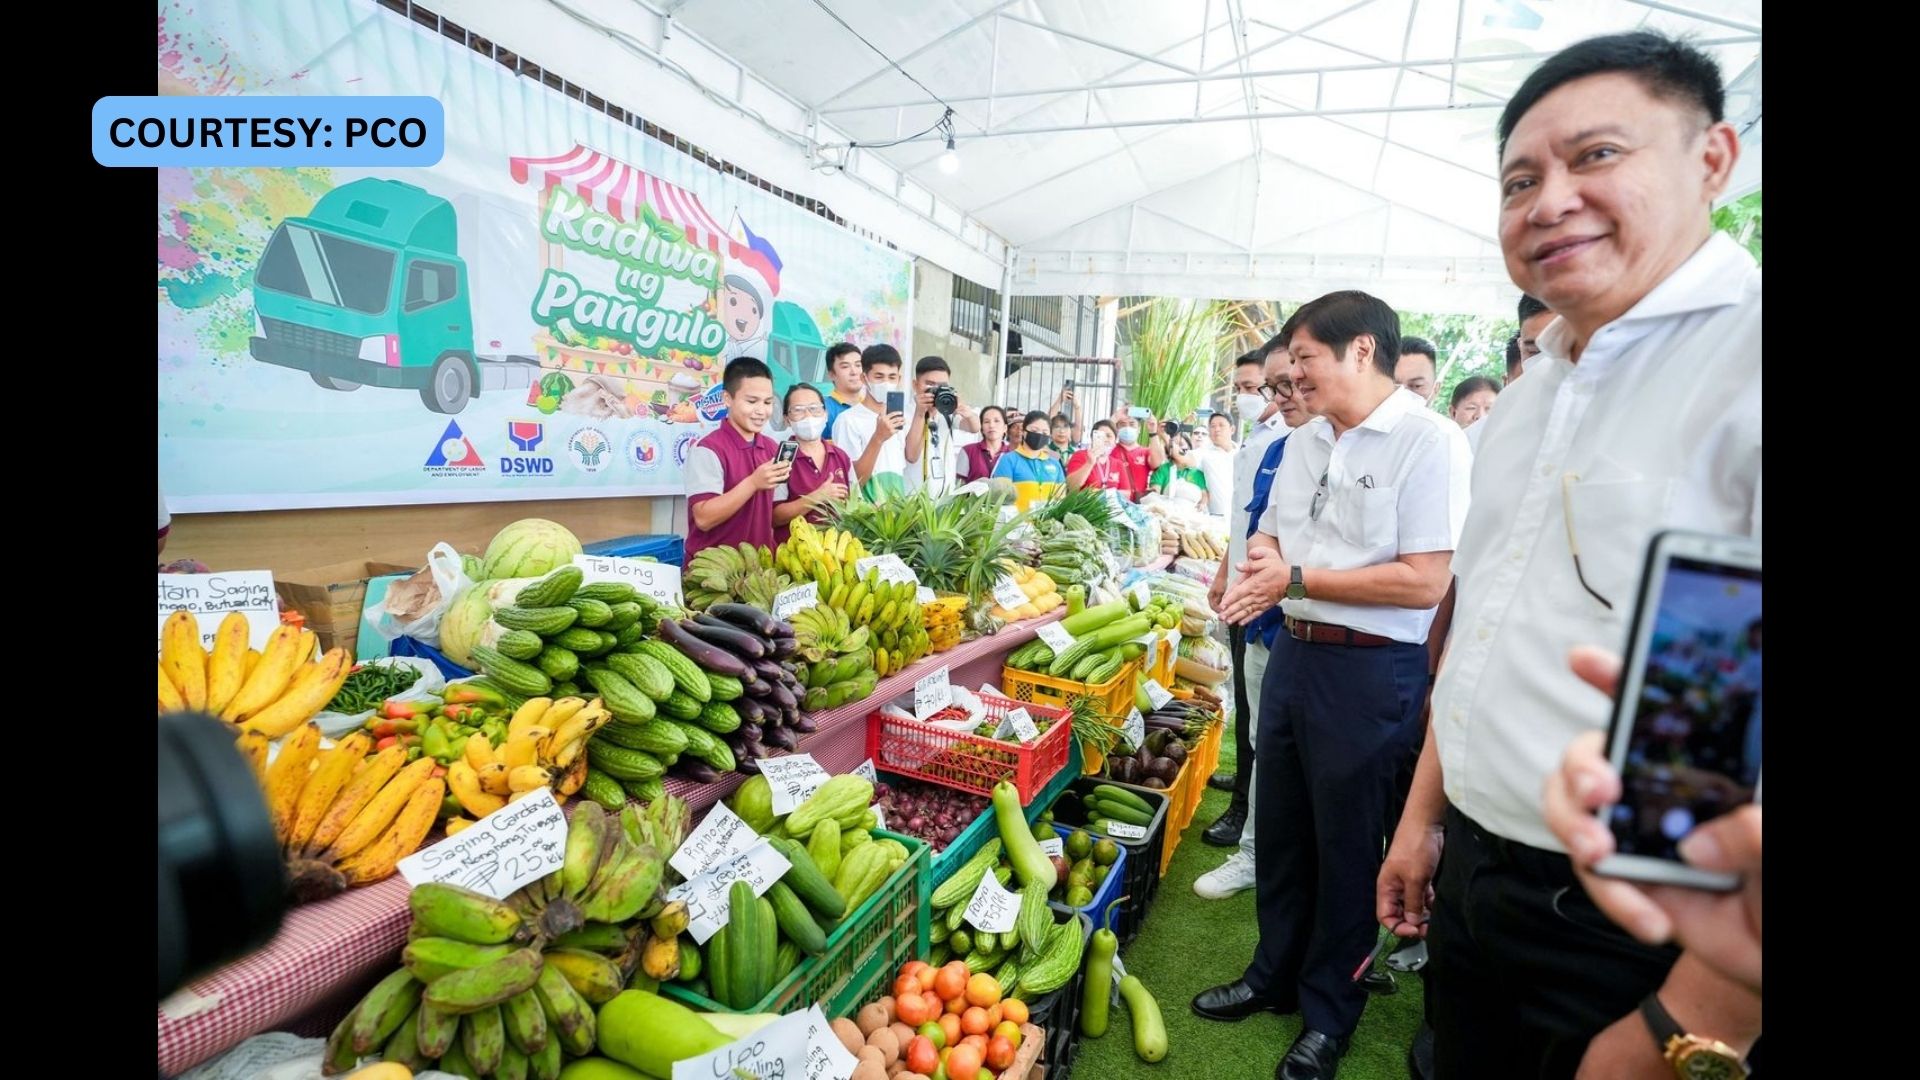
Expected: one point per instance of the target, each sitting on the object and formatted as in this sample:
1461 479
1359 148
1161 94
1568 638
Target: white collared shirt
1246 463
1474 431
1395 485
1217 466
1660 422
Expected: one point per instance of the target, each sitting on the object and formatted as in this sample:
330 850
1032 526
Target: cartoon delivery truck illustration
370 289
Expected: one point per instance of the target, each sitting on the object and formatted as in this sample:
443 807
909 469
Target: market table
351 937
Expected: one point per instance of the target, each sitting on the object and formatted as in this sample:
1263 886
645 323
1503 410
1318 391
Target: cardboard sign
1156 693
1134 731
1123 831
514 846
795 600
210 597
798 1046
706 896
1020 723
891 568
1057 637
1008 594
793 777
720 835
658 580
930 695
1054 847
993 908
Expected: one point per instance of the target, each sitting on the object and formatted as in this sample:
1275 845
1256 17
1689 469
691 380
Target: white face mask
878 391
810 428
1129 436
1250 406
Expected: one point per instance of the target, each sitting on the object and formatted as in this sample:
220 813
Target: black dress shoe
1225 830
1379 983
1221 781
1420 1054
1313 1056
1233 1001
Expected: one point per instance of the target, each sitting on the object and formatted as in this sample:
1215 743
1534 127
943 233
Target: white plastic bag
449 577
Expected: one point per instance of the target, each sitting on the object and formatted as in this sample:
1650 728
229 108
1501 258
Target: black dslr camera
946 400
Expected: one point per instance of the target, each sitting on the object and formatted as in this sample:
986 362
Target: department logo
644 451
526 435
683 446
590 450
454 454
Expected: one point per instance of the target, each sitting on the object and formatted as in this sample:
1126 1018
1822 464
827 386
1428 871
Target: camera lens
222 886
945 400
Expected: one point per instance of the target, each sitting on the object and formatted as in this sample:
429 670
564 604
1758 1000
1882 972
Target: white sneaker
1230 877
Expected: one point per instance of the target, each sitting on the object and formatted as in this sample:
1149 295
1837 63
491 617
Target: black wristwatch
1693 1057
1296 585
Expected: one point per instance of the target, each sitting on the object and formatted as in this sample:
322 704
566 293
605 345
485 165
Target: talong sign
544 314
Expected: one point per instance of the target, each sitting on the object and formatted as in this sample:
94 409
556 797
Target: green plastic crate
862 953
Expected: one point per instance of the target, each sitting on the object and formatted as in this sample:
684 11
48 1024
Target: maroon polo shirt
806 478
717 464
980 461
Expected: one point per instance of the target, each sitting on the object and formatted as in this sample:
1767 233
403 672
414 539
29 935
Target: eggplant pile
743 643
1172 731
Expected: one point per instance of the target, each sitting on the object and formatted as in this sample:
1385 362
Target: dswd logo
526 437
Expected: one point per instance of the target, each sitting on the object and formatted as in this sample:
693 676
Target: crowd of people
1372 736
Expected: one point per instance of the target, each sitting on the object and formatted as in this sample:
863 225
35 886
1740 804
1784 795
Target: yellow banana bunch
272 692
343 818
545 748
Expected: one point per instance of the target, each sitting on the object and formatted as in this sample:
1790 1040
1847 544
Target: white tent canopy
1220 148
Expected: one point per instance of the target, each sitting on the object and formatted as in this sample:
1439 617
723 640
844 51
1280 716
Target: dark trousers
1335 725
1243 718
1524 970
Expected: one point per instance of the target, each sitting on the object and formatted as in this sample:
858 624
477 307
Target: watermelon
461 626
470 565
529 547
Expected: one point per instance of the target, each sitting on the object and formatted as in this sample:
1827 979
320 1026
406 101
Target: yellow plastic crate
1204 762
1114 697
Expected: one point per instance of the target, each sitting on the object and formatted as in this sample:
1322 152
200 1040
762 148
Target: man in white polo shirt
1358 537
1642 413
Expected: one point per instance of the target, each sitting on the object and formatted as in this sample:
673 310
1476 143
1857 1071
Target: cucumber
794 920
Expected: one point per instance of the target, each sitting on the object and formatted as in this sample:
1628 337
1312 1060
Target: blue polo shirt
1267 627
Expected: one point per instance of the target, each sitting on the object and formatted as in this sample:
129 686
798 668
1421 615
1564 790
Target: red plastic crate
972 763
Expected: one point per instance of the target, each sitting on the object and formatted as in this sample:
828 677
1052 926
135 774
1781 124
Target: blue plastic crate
667 549
1096 910
406 646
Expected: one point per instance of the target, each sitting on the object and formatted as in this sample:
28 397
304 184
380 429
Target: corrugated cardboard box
331 597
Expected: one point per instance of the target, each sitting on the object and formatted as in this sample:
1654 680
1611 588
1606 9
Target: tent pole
1006 323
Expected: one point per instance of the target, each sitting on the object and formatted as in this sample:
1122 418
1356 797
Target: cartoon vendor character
746 298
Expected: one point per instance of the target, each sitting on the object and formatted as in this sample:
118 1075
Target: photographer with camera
940 429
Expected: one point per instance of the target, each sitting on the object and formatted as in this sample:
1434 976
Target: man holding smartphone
873 433
1642 414
937 435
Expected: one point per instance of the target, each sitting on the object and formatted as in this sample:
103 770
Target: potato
874 1061
912 1076
867 1070
850 1036
884 1041
887 1004
896 1069
902 1034
869 1019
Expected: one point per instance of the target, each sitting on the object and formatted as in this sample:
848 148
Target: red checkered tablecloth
358 934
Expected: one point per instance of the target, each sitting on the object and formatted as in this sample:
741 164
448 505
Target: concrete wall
973 370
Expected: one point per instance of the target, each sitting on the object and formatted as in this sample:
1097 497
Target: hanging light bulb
950 161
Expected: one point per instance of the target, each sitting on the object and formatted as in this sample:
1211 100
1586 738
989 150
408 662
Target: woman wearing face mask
1036 474
821 470
1099 466
1179 478
978 459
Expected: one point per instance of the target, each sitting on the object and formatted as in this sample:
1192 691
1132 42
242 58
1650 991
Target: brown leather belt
1329 634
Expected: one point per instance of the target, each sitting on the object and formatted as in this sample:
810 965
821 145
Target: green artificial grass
1189 944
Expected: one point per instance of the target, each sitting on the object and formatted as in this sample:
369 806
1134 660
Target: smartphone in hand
787 452
896 401
1685 737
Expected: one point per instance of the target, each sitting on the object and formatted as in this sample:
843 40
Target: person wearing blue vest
1265 390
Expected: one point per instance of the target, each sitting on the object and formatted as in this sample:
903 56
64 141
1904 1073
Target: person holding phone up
873 434
1180 477
1641 414
822 473
1101 466
731 473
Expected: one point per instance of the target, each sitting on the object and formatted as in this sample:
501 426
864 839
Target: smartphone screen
896 401
1139 413
787 452
1686 736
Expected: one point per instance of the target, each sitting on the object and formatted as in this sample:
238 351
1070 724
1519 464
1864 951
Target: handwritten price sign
706 896
656 579
793 778
992 908
515 845
211 596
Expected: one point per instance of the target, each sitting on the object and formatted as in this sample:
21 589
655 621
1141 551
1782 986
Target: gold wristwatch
1693 1057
